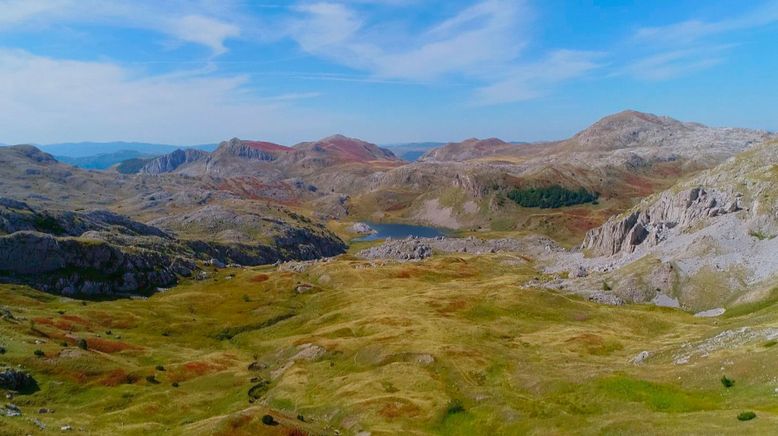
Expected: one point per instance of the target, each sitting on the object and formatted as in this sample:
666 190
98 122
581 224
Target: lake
400 231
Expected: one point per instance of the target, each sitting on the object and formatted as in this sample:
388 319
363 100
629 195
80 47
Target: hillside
241 322
707 242
455 344
472 148
622 158
90 149
104 161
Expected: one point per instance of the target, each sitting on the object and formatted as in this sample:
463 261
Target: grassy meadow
451 345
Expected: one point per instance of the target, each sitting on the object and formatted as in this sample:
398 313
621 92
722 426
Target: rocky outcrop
649 224
172 161
102 253
296 244
252 150
14 380
415 248
32 154
402 249
362 229
78 266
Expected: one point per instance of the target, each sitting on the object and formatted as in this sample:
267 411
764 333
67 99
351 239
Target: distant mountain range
86 149
104 161
103 155
411 151
214 197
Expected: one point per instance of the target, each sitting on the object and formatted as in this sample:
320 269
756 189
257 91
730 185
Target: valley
602 284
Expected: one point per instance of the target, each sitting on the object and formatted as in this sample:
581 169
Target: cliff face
650 225
100 253
172 161
95 253
708 242
90 267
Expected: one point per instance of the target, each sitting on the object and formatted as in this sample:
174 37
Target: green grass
657 397
450 345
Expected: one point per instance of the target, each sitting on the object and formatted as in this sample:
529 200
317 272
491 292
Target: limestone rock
650 223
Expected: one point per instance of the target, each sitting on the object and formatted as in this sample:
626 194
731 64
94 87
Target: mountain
273 162
621 158
87 149
223 284
103 161
472 148
199 216
708 242
470 185
172 161
338 149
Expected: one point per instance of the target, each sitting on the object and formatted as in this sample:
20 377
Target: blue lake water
401 231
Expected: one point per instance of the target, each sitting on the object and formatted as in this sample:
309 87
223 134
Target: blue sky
200 71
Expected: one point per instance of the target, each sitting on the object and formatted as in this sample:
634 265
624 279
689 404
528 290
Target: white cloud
534 80
487 34
327 24
688 46
57 100
187 21
481 43
690 31
675 63
203 30
18 11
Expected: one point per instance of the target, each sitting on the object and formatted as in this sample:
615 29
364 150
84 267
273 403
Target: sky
387 71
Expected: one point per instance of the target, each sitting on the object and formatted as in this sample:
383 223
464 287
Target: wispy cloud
64 100
482 43
693 30
190 22
485 34
675 63
527 82
692 45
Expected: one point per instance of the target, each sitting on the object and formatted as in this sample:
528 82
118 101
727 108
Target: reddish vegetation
259 278
108 346
296 432
642 186
254 189
118 377
394 322
452 306
60 323
403 274
396 409
266 146
75 319
397 206
345 149
194 369
113 320
236 422
79 377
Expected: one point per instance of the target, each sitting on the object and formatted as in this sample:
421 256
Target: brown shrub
259 278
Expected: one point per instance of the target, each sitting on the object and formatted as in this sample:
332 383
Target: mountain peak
342 148
629 128
32 153
470 148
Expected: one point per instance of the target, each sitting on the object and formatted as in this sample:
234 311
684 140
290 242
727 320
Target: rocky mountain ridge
100 253
708 242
